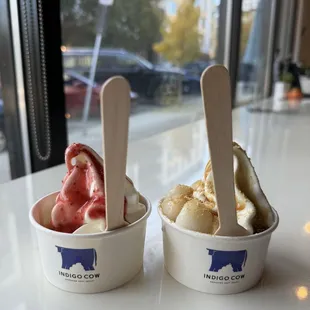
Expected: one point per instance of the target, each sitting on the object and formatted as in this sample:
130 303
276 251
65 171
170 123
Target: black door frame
43 76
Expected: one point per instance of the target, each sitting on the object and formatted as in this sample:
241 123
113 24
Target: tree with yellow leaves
246 26
181 39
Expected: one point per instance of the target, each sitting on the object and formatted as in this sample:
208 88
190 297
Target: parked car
150 82
192 74
197 67
2 131
191 84
75 88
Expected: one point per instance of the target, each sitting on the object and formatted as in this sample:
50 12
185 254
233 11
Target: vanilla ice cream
195 207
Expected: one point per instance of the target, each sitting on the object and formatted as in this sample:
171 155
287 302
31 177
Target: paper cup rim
200 235
55 233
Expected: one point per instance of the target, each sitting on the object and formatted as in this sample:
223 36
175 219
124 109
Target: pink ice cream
81 199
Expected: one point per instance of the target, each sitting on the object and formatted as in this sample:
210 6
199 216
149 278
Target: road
144 122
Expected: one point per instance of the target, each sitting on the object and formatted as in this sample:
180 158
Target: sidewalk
142 125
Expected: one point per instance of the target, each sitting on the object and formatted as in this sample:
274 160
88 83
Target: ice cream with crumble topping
194 207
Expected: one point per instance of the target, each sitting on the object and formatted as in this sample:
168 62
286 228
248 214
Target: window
107 62
161 59
117 62
11 148
69 62
68 49
255 47
4 158
127 62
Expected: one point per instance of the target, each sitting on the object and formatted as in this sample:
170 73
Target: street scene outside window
160 46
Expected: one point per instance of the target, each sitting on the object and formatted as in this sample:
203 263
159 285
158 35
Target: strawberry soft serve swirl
81 199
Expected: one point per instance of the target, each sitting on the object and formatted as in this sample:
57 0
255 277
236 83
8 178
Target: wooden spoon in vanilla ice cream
216 94
235 198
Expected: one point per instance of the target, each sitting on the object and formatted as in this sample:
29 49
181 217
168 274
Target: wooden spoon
216 93
115 110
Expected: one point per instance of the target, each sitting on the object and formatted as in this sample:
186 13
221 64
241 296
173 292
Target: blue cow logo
86 257
220 259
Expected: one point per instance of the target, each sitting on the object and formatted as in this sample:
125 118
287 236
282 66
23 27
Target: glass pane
5 174
161 48
255 25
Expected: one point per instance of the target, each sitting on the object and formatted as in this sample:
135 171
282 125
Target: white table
279 145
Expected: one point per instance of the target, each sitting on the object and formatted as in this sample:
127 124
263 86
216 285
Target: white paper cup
214 264
89 263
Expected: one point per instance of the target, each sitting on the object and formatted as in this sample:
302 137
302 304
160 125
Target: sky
171 5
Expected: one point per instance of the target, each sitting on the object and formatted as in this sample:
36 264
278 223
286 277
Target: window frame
45 42
12 120
228 44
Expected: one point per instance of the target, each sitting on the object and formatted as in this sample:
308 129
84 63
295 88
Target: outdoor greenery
246 26
181 39
131 24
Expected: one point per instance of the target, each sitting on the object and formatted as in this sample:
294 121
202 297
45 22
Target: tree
181 38
78 22
133 25
246 26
